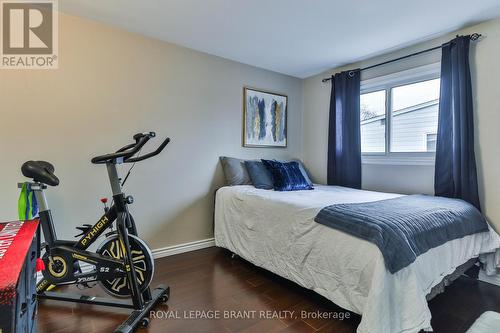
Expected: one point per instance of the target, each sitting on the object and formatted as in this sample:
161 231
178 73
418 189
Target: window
430 142
399 116
373 122
414 113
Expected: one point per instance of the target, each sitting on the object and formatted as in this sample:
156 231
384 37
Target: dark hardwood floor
209 280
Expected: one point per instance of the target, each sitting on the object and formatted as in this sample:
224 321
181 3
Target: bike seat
40 171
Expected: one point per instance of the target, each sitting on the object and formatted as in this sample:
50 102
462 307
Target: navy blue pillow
304 173
287 176
260 176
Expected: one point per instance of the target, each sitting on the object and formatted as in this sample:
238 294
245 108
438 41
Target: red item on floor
18 251
15 240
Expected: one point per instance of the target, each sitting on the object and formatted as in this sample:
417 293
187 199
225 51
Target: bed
277 231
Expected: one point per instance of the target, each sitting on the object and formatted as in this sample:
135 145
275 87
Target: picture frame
265 118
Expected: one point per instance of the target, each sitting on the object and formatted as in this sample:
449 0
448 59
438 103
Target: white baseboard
183 248
493 279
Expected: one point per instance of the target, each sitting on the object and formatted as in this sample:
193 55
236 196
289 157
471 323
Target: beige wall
111 84
485 69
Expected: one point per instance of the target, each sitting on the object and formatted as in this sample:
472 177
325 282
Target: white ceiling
296 37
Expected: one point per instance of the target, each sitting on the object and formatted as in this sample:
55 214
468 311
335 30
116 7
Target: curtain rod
473 37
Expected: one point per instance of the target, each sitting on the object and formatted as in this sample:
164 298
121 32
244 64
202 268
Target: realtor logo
29 34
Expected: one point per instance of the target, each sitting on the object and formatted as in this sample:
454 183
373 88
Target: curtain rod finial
475 36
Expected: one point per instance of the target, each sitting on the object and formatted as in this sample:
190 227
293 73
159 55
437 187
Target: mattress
276 231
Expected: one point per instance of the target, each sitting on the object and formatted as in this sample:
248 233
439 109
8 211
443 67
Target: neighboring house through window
399 116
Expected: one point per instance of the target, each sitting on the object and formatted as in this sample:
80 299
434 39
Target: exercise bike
123 264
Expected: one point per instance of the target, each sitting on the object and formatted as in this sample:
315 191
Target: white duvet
276 231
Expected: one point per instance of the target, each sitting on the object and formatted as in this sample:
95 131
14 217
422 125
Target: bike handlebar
127 152
151 154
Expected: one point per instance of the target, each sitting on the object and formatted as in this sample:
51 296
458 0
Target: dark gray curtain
344 138
455 170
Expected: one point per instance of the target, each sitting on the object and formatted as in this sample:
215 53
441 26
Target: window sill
398 160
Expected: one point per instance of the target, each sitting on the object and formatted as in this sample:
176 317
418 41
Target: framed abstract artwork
264 118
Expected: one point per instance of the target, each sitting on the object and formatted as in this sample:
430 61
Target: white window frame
387 82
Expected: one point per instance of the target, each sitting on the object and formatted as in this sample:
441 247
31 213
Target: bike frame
77 249
68 253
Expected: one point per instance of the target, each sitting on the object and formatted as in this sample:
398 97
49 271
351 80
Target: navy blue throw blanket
405 227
